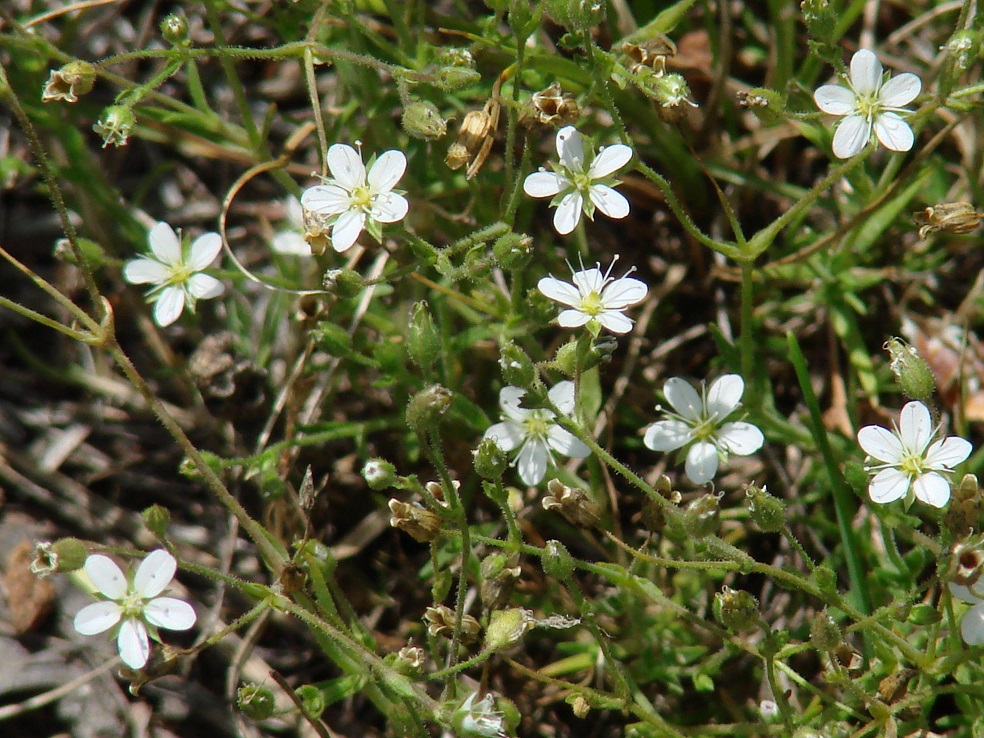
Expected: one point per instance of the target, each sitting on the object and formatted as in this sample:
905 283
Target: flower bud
702 516
332 339
490 460
577 16
63 556
174 30
453 78
423 338
768 105
499 575
379 474
736 609
115 125
426 408
343 283
422 119
911 371
820 20
513 250
414 519
950 217
507 628
671 91
573 503
313 700
556 561
768 512
156 519
256 701
826 579
440 624
74 79
963 515
550 107
825 635
653 515
517 367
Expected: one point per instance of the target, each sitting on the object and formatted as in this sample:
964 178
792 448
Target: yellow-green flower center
536 425
591 303
867 107
913 465
361 197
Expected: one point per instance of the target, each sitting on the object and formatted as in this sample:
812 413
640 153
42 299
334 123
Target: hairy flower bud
911 371
577 16
507 628
768 512
343 283
768 105
423 338
426 408
736 609
702 516
513 250
557 561
421 119
414 519
820 20
74 79
174 30
517 367
825 635
490 460
63 556
379 474
156 519
573 503
256 701
453 78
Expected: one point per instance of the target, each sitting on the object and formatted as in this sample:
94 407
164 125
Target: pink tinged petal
570 148
562 396
390 207
888 485
615 322
509 399
724 395
507 436
702 463
740 438
568 213
851 136
572 319
347 229
893 132
932 488
345 165
610 202
387 171
97 617
589 280
133 644
900 90
972 626
667 435
563 292
621 293
835 100
544 184
684 398
165 244
532 462
866 72
609 160
566 443
154 573
881 444
964 594
204 287
204 249
145 271
328 199
915 427
170 613
169 306
947 453
106 576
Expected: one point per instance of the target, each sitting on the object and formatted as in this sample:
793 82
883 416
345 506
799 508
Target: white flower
291 241
972 625
907 458
869 103
134 605
534 432
575 187
177 279
595 297
352 199
699 420
479 719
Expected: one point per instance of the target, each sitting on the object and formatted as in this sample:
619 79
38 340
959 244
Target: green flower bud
63 556
768 105
768 512
826 579
923 614
174 30
736 609
490 460
507 628
702 516
156 519
825 635
256 701
313 700
422 119
513 250
332 339
427 407
911 371
452 78
820 20
517 367
115 125
379 474
566 358
556 561
343 283
423 338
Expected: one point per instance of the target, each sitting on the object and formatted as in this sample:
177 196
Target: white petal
702 463
740 438
165 244
204 249
563 292
723 395
568 213
900 90
621 293
145 271
835 99
97 617
609 201
572 319
667 435
544 184
291 243
964 594
509 399
589 280
684 398
893 132
881 444
562 396
972 626
570 148
566 443
169 305
204 287
295 213
390 207
888 485
947 453
614 321
132 643
106 576
609 160
932 488
347 229
507 436
387 171
154 573
866 72
345 165
170 613
532 462
851 136
915 427
326 199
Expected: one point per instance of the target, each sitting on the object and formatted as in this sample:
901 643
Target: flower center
179 274
913 464
362 197
536 425
591 303
131 604
706 429
867 107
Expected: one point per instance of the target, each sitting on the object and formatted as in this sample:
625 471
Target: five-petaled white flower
535 432
133 605
869 103
176 277
972 625
575 186
595 298
908 459
353 200
478 718
290 241
699 420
